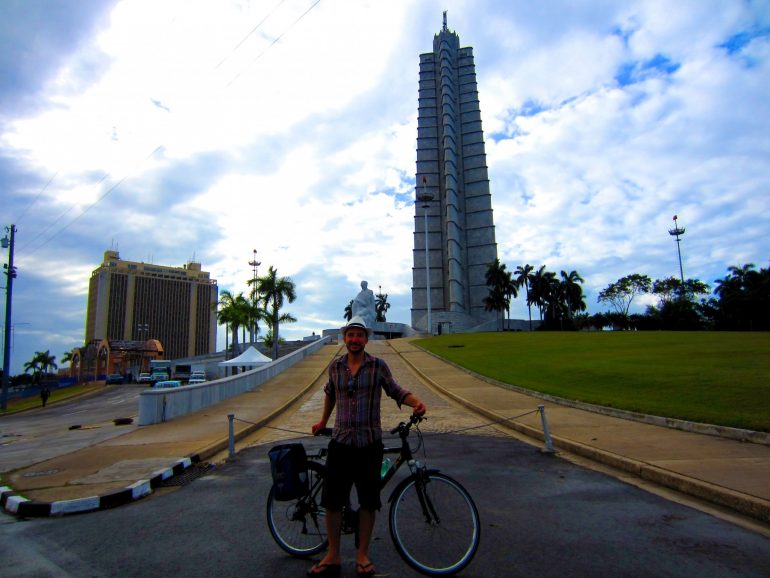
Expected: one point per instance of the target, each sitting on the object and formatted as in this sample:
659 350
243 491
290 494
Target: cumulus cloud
180 130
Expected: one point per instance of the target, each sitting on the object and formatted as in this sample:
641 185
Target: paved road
541 516
36 435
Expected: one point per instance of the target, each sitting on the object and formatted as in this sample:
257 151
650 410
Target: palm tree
40 363
501 288
572 292
233 311
274 290
522 278
67 357
349 311
540 289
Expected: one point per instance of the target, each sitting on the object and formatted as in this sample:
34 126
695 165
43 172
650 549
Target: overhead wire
128 175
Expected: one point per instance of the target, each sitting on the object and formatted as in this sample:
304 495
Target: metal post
10 274
546 432
231 434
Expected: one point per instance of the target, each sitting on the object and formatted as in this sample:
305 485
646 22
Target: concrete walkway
728 473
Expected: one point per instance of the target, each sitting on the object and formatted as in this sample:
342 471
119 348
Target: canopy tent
251 357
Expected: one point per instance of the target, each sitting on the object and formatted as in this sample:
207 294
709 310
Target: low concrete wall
159 405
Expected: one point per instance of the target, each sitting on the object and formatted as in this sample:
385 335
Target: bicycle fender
404 482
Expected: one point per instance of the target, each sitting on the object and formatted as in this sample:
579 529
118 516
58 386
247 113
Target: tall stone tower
452 189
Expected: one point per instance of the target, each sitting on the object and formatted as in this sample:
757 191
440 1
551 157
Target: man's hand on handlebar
318 427
419 409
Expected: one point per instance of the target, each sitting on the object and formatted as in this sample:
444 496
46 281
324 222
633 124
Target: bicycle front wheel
434 525
299 526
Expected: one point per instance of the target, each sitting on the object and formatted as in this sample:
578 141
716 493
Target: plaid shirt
357 399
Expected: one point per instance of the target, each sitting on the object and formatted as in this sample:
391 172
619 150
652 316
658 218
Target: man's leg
333 531
366 520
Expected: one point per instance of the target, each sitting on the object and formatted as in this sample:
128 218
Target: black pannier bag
288 464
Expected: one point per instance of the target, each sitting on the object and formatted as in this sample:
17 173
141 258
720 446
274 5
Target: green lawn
710 377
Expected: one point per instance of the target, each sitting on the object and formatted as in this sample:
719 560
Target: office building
133 301
452 185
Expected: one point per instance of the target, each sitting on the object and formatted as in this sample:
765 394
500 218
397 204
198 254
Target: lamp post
143 328
254 263
426 198
676 232
10 272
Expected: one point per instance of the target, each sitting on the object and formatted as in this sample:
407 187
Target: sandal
325 570
365 570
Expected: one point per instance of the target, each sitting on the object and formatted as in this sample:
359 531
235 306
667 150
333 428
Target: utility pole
10 272
254 263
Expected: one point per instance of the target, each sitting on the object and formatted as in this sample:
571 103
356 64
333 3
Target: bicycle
433 521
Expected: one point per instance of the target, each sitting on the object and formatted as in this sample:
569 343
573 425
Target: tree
622 292
233 311
522 278
743 299
67 357
349 311
381 306
501 288
40 364
541 289
256 313
274 291
572 293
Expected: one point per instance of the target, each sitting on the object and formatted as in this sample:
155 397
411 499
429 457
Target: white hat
356 321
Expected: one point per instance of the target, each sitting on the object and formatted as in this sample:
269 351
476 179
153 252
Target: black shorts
347 466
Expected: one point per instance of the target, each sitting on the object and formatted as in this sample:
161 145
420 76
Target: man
355 386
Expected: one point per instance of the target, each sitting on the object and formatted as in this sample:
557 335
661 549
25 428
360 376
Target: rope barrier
487 424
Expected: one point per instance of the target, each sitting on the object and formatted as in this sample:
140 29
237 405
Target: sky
195 130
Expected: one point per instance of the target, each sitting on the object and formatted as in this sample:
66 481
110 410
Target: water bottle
385 467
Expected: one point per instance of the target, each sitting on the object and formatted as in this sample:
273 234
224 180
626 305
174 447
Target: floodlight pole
676 232
10 272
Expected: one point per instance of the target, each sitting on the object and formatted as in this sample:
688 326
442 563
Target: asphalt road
541 516
40 434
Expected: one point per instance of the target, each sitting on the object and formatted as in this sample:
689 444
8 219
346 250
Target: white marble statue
363 305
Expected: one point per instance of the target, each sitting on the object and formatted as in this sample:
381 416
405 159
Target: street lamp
10 271
676 232
426 198
254 263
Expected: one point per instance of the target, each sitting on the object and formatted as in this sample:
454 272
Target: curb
17 504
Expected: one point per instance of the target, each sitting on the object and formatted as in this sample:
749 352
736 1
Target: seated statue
363 305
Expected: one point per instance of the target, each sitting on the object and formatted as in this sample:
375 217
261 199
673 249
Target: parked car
114 378
197 377
144 378
157 376
168 384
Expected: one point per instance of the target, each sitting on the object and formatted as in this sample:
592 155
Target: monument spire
454 234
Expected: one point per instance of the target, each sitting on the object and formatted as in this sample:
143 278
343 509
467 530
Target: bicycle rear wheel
440 534
299 526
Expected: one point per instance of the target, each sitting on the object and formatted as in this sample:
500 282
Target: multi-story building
453 187
134 301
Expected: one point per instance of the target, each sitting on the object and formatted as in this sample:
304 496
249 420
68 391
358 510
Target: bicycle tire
299 526
444 546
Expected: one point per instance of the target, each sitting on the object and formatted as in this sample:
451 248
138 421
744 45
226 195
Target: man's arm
329 404
414 402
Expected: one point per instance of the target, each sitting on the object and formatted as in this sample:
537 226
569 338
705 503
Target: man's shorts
347 466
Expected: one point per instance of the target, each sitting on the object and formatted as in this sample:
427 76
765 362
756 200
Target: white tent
251 357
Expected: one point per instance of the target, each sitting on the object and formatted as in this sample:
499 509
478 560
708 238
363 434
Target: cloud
178 130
